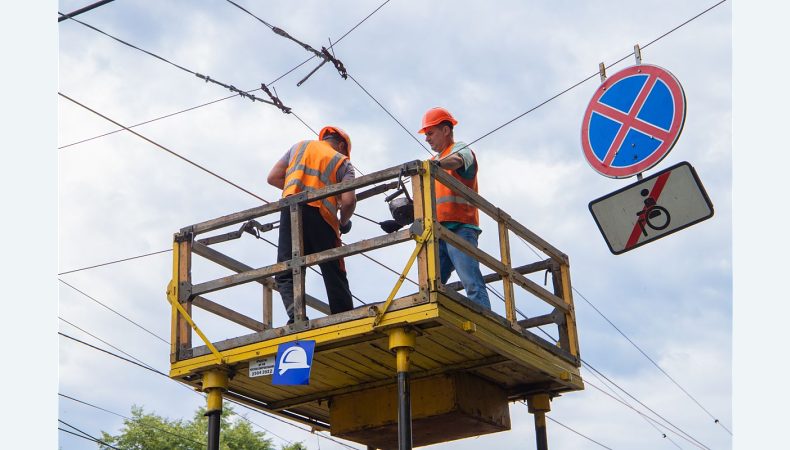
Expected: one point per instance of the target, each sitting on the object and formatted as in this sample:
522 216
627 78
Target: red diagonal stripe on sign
629 121
644 127
661 181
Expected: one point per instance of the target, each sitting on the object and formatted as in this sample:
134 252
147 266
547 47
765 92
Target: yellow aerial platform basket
427 367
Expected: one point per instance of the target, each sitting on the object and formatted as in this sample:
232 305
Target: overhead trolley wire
163 148
230 96
143 424
116 261
117 313
497 294
320 55
196 165
205 78
596 74
231 400
580 434
144 366
85 435
82 10
390 114
634 344
161 373
715 420
581 83
645 415
146 122
643 405
626 337
102 341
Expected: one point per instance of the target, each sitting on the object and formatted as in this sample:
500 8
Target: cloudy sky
120 196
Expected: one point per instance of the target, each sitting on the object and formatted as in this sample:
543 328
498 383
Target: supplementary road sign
293 363
652 208
633 121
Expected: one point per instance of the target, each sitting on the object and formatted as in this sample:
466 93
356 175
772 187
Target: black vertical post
213 429
540 431
404 412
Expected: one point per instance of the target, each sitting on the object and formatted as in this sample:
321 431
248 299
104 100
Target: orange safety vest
314 166
451 207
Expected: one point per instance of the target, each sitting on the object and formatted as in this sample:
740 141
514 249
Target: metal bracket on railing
176 304
251 226
421 239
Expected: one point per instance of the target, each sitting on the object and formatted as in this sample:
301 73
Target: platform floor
452 335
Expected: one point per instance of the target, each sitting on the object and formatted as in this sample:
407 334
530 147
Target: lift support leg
539 405
215 383
402 341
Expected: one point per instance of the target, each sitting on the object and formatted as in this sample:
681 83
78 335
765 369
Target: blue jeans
468 268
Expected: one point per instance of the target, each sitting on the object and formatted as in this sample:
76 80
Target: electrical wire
102 341
148 121
597 372
318 54
197 165
83 10
643 414
163 147
715 420
654 426
688 394
594 75
168 377
571 429
230 96
390 114
85 435
143 424
117 313
566 91
152 369
205 78
116 261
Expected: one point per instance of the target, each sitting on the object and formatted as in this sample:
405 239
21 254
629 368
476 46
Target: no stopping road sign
633 120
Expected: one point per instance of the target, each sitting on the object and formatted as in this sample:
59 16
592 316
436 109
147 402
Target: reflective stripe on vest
313 166
451 207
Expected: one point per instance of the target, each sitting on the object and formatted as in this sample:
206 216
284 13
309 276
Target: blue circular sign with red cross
633 121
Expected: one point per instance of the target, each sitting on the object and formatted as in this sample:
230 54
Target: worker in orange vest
308 166
454 212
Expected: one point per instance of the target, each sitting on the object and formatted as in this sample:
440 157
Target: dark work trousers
318 236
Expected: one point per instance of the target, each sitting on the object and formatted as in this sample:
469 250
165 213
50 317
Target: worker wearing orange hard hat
453 211
307 166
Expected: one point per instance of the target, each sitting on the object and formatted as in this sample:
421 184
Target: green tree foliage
148 431
294 446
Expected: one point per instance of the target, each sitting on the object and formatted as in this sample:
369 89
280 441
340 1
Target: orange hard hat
435 116
329 130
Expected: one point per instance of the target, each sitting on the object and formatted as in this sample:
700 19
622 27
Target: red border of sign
670 136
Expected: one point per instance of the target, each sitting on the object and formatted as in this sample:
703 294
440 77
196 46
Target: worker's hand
435 162
345 228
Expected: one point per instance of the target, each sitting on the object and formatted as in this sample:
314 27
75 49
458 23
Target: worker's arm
451 162
348 203
277 175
